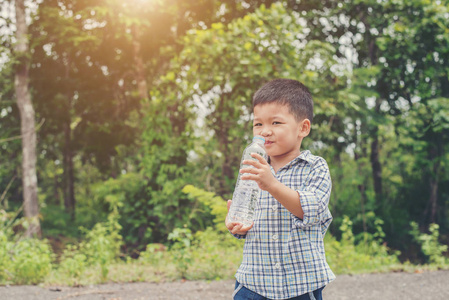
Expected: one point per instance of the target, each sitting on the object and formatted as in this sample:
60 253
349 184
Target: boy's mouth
268 142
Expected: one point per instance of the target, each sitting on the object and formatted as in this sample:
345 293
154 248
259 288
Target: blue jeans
242 293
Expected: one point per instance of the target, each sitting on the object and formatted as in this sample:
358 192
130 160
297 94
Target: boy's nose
266 132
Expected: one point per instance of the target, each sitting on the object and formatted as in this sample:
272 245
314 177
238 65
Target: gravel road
407 286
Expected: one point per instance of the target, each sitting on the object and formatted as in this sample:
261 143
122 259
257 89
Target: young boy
283 256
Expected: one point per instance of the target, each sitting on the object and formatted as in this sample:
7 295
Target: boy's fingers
253 163
259 158
230 225
229 204
248 228
249 177
236 228
249 170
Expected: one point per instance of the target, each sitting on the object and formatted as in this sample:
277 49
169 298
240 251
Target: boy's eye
276 123
257 124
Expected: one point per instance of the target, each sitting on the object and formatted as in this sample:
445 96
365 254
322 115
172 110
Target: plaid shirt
283 256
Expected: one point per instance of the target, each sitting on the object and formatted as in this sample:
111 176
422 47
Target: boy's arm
314 195
287 197
305 203
261 173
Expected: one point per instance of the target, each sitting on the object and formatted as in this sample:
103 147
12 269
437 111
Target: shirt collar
304 155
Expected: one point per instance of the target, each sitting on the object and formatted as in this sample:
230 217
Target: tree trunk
27 124
362 186
68 176
433 198
375 165
69 185
56 195
435 153
374 157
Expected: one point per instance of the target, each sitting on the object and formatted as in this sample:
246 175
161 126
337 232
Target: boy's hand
261 173
234 227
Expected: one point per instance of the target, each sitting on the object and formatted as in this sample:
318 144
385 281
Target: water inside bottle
244 204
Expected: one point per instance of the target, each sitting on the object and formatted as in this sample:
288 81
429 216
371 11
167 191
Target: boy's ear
304 128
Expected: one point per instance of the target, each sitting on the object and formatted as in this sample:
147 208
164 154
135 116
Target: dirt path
423 286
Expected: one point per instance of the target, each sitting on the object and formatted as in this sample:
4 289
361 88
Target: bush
5 259
215 255
210 204
22 261
369 254
26 261
31 261
180 249
101 247
127 194
153 254
73 263
430 246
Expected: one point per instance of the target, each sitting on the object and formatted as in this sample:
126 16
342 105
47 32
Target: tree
84 84
10 138
398 51
27 117
219 69
414 50
56 81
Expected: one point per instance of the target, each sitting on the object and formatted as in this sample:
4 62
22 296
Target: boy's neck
280 161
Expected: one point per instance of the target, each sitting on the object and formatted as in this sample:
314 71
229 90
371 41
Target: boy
283 256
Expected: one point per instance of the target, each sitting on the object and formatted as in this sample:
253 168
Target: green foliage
57 221
180 249
127 195
376 69
205 255
153 254
210 254
22 261
220 68
100 247
430 244
73 263
368 255
4 257
216 255
31 261
145 220
214 205
165 166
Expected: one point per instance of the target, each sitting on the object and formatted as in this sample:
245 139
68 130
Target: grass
201 269
205 255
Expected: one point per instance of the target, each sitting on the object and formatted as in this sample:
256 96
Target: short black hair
287 92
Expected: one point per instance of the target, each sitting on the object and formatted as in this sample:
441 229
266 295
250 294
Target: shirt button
275 237
274 207
277 265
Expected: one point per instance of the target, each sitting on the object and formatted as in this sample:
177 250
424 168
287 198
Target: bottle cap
258 137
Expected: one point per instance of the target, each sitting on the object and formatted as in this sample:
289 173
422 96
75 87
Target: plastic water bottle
246 192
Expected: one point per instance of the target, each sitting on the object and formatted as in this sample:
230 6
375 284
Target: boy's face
282 132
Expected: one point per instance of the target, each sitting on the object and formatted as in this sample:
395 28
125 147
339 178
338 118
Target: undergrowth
210 254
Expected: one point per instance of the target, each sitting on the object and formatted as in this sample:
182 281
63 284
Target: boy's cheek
256 131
